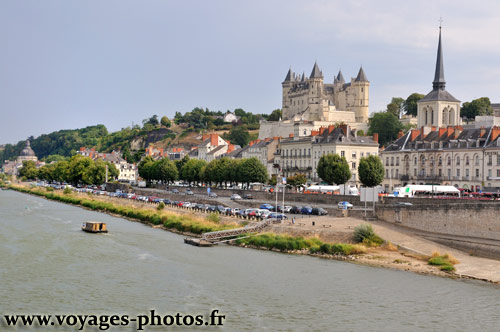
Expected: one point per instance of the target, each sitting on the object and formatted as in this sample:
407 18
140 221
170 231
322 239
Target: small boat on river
94 227
198 242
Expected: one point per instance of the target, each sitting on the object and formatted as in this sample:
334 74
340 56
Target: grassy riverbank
169 220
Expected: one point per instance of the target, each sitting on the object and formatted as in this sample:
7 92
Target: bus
414 190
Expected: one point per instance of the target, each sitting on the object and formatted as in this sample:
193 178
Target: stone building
26 154
442 151
309 103
263 150
127 172
300 155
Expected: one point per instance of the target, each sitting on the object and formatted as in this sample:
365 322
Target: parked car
278 216
175 191
234 211
403 204
247 196
221 208
265 214
235 197
296 209
267 206
306 210
319 212
189 192
212 195
212 208
344 205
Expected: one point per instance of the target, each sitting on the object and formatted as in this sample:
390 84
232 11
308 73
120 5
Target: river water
48 265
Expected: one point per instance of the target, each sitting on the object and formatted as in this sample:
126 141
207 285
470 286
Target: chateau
309 104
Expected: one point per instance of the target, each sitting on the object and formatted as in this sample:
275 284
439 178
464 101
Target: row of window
440 161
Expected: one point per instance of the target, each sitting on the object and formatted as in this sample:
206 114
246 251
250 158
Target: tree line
222 171
76 170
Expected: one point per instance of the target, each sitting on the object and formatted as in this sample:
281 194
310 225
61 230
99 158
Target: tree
360 132
29 170
480 106
191 171
410 104
60 172
145 168
165 122
54 157
153 121
371 171
164 170
333 169
275 115
96 173
239 135
180 163
395 107
296 180
252 170
78 165
386 125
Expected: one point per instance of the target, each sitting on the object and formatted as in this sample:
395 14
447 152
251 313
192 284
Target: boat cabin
94 227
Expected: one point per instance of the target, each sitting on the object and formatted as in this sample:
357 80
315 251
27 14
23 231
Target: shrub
444 262
49 189
67 191
160 206
213 217
364 234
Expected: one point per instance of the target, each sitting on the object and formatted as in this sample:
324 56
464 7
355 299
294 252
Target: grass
170 220
445 262
289 243
364 234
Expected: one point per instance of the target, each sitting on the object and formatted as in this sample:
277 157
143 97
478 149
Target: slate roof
316 73
361 76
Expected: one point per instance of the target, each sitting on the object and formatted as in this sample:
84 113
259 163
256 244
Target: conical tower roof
340 77
316 73
361 76
289 75
303 79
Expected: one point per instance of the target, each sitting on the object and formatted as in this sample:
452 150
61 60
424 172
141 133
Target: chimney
375 137
204 137
414 134
214 139
230 148
82 148
290 135
482 131
321 130
344 129
495 132
276 138
330 128
442 131
401 134
457 131
314 132
251 143
267 139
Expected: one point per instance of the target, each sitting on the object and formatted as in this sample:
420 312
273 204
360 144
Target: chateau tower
361 90
439 108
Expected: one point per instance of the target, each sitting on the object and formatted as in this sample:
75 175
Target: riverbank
192 224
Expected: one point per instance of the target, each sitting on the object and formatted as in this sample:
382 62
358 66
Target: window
353 155
386 173
353 165
367 154
397 173
489 173
397 161
392 161
362 154
387 161
458 171
342 153
490 161
414 172
498 159
439 172
467 172
458 162
415 161
449 161
476 161
477 172
449 172
498 172
466 160
440 161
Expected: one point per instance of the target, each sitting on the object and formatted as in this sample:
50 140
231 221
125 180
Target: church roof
438 85
361 76
316 73
27 151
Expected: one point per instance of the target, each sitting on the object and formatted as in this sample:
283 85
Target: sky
70 64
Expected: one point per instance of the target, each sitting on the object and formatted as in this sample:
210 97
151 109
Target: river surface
48 265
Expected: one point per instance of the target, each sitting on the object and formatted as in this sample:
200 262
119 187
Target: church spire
439 82
316 73
289 75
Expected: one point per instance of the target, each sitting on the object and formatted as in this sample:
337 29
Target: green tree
395 107
29 170
77 167
386 125
239 135
480 106
146 169
296 180
165 171
180 163
371 171
410 104
61 171
54 157
333 169
360 132
165 122
252 170
275 115
191 171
